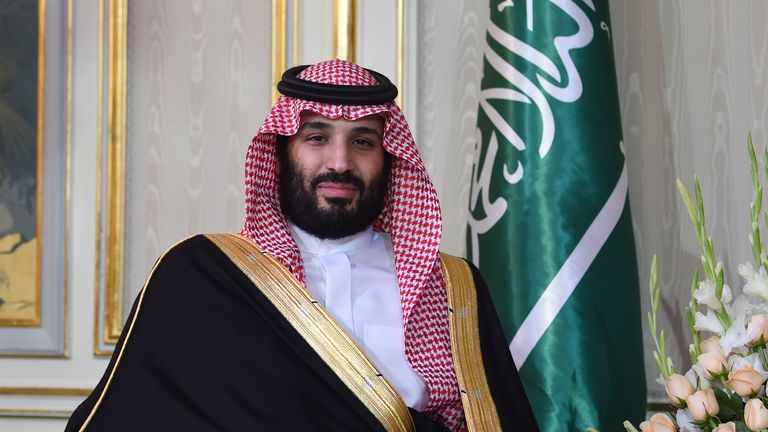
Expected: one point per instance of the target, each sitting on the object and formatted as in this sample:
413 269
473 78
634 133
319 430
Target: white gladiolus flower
757 281
692 377
757 307
727 295
747 271
685 421
705 294
738 308
738 335
709 323
703 377
737 362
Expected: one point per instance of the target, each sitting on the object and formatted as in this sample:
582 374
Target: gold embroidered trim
479 408
129 330
326 337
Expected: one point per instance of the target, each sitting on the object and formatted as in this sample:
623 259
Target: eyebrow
315 125
364 130
321 125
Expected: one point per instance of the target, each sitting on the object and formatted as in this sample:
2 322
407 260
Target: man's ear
281 143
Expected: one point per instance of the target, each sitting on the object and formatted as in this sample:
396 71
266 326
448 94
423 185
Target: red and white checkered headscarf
411 216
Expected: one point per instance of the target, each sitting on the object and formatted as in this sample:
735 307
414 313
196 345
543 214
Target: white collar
317 246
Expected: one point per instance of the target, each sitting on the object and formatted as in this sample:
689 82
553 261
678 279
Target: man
333 309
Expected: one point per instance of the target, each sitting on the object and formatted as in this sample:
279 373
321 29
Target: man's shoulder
186 248
194 252
193 268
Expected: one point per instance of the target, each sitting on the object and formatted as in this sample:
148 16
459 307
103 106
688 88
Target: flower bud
678 388
702 405
745 381
712 344
658 423
755 415
713 363
725 427
762 322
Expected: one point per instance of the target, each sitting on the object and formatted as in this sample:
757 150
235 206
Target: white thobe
355 279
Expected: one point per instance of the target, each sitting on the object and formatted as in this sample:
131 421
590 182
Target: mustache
334 177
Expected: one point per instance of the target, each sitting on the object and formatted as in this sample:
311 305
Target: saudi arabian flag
549 223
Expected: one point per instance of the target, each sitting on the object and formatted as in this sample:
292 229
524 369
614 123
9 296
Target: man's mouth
337 190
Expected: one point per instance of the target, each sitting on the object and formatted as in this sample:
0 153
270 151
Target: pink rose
762 322
745 381
678 388
712 344
725 427
702 405
658 423
755 415
713 363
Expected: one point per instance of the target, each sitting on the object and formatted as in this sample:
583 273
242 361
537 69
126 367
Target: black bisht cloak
207 351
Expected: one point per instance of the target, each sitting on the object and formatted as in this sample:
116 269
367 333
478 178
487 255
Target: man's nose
339 157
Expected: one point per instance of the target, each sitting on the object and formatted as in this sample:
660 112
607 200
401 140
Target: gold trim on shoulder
479 407
326 337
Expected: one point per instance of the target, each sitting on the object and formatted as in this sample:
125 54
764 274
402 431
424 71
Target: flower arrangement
724 390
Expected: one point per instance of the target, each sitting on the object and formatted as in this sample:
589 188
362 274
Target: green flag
549 223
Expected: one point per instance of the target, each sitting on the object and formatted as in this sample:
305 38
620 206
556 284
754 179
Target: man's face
333 175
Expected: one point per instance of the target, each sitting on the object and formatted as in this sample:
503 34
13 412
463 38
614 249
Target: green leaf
689 205
699 200
765 159
752 160
628 426
670 367
719 283
695 284
728 411
741 427
731 406
659 364
651 324
737 404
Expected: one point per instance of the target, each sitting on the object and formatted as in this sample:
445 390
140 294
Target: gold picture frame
110 172
44 334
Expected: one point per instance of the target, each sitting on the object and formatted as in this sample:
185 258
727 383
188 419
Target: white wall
692 82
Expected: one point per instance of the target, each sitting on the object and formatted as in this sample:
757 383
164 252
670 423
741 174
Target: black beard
299 201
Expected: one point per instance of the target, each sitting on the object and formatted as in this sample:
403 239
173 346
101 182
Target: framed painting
34 158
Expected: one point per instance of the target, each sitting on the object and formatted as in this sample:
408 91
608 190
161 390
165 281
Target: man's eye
316 138
362 143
